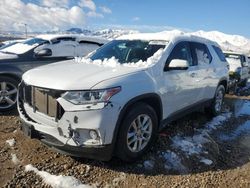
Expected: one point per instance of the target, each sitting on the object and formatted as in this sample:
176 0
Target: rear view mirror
43 53
178 64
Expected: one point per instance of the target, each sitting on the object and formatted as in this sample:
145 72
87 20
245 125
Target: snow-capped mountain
227 42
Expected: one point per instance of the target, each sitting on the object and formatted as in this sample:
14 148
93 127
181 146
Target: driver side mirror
44 53
178 64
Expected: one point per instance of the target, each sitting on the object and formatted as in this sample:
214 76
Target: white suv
115 101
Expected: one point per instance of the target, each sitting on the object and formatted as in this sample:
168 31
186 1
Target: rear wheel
137 132
216 106
8 93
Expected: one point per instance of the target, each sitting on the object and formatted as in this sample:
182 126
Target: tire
216 106
8 93
128 150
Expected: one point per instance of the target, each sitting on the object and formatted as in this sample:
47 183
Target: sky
228 16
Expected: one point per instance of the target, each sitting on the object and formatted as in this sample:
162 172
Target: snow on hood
7 56
72 75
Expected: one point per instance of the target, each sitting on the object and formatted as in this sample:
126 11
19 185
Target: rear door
205 77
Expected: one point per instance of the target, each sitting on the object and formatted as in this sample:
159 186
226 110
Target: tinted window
219 53
37 41
181 51
58 40
200 53
126 51
89 42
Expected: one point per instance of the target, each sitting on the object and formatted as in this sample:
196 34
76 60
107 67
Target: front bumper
103 153
70 133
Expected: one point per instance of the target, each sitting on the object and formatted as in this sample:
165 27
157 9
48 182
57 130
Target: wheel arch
152 99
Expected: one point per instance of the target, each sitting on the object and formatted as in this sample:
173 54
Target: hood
72 75
4 56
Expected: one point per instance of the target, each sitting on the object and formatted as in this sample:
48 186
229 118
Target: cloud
14 13
87 4
105 10
135 19
94 14
55 3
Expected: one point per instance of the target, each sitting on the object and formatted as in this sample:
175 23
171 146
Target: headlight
91 96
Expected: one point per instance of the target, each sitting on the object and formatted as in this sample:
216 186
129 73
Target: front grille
43 100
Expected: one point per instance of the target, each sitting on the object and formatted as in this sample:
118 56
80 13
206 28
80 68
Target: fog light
93 134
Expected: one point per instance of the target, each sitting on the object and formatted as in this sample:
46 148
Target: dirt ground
221 159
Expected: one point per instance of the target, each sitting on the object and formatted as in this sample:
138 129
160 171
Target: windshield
128 51
22 47
234 59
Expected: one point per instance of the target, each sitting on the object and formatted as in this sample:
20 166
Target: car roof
167 36
78 37
233 53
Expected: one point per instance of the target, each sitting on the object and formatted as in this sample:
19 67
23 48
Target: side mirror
43 53
178 64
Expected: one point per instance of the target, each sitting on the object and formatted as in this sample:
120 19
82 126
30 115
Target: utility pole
25 25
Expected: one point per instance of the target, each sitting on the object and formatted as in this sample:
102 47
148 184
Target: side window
59 39
219 53
200 53
181 51
89 42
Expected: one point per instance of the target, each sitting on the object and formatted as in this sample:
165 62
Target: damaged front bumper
71 133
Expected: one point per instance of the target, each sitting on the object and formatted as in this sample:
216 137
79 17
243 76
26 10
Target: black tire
8 86
216 108
123 148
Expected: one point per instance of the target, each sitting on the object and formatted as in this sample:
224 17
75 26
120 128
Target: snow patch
149 164
11 142
242 129
206 161
193 145
14 159
244 110
57 181
173 161
190 145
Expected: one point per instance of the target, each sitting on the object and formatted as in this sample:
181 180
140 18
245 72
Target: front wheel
8 93
137 132
216 106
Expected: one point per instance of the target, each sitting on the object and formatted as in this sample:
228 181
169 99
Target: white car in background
115 101
238 67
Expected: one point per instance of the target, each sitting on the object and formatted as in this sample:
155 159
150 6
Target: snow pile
114 63
14 159
11 142
57 181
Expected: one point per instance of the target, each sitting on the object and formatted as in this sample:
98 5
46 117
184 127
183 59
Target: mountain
227 42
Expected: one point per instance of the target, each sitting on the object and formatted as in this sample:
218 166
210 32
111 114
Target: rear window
219 53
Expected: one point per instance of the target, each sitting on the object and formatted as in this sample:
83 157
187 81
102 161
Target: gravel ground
218 155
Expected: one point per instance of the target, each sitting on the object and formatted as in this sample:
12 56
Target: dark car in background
41 50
